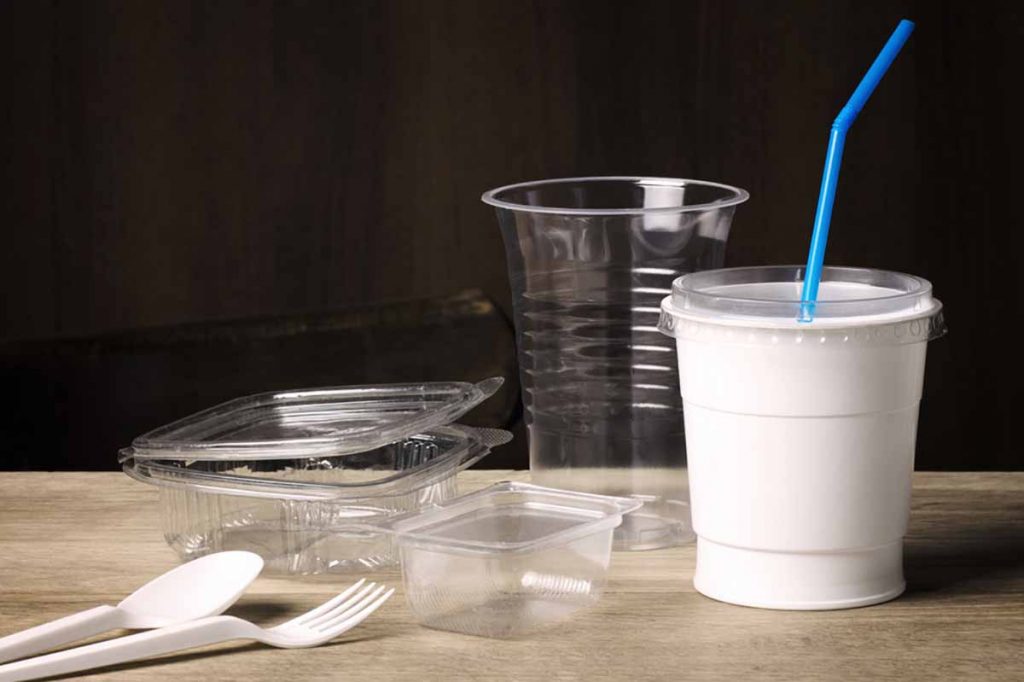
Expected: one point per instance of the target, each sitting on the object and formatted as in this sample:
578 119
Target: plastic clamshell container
509 559
275 474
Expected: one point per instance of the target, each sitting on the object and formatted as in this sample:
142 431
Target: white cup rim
705 296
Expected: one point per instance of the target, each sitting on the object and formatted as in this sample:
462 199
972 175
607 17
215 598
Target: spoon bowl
212 583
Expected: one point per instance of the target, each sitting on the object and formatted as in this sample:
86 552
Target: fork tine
340 627
332 606
326 606
339 607
326 624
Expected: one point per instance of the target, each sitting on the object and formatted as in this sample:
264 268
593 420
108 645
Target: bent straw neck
847 115
833 158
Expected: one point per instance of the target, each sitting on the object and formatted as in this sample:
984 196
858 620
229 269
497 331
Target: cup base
654 527
799 581
663 520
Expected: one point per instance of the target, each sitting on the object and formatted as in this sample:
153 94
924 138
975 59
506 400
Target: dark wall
172 162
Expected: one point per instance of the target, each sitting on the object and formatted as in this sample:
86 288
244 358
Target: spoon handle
61 631
154 642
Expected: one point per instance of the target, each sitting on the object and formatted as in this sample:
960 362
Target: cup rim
690 283
738 196
693 296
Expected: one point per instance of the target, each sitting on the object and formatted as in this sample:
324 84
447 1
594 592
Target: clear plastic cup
589 261
801 436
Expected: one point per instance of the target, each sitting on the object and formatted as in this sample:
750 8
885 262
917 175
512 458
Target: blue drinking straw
834 156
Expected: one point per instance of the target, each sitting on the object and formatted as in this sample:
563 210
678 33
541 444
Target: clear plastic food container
295 476
507 560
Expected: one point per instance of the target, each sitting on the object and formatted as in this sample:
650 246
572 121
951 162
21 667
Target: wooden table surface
70 541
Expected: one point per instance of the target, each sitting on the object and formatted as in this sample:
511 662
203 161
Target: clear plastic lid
399 468
308 423
769 298
512 517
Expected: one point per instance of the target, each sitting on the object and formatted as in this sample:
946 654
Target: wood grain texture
75 540
166 162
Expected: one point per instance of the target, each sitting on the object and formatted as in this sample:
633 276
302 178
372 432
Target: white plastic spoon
322 624
200 588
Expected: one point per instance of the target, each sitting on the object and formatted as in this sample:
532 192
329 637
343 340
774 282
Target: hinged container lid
315 422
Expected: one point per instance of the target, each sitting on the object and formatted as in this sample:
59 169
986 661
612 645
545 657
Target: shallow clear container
507 560
278 474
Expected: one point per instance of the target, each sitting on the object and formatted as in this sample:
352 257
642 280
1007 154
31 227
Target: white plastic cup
800 436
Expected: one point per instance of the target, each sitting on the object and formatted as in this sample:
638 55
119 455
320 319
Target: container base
799 581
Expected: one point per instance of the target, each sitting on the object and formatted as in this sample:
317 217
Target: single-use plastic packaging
507 560
801 435
294 476
589 261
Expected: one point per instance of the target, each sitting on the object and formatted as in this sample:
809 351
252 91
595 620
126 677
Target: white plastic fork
320 625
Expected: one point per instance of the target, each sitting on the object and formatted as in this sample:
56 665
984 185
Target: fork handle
61 631
123 649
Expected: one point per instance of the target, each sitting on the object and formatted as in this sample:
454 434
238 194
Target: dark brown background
170 163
